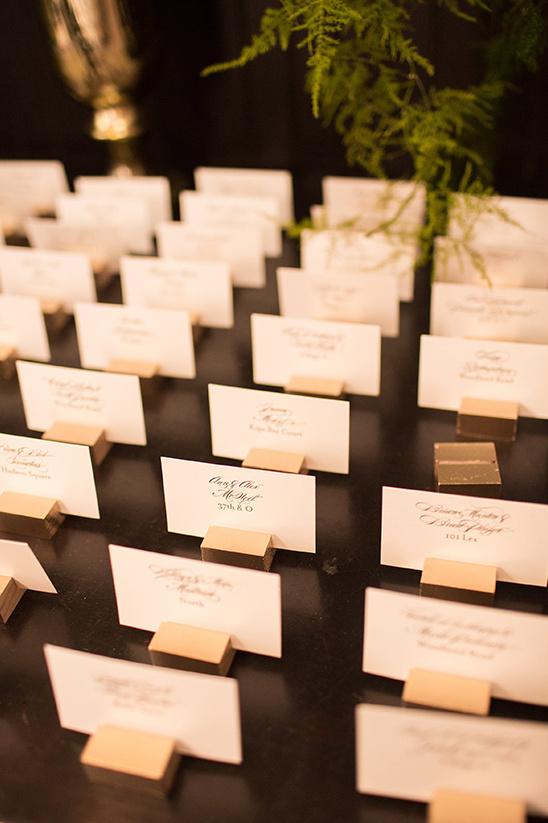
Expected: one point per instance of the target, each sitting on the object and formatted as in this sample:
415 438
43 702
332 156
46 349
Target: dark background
259 116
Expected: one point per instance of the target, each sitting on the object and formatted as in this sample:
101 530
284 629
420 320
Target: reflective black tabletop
297 711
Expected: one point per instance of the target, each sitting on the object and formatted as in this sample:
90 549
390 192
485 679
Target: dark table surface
297 711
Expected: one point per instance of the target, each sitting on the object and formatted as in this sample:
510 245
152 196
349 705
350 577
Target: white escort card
17 560
451 368
155 190
58 394
200 495
242 419
484 263
277 183
152 588
344 250
29 187
202 287
364 203
261 211
421 524
348 297
202 712
102 244
23 328
521 220
54 275
518 315
239 246
129 214
284 347
163 337
411 754
504 648
60 471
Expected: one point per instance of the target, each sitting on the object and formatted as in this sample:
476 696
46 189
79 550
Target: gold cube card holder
131 759
8 355
274 460
450 692
455 580
318 386
56 316
29 515
92 436
11 592
487 419
238 547
191 648
448 806
467 468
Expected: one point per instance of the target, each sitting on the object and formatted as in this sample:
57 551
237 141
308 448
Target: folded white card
239 246
277 183
58 394
506 219
202 287
421 524
518 315
128 213
57 275
155 190
242 419
451 368
283 347
366 202
102 244
491 263
29 187
345 250
17 560
505 648
412 753
347 296
200 495
200 711
152 588
60 471
235 210
23 327
160 336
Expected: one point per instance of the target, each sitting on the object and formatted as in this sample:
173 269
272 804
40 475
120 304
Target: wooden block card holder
148 373
451 692
454 580
191 648
55 315
455 807
238 547
132 759
319 386
274 460
29 515
8 355
11 592
92 436
487 419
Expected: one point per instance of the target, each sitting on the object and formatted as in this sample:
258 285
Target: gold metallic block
456 807
134 759
321 386
191 648
29 515
237 547
447 691
8 355
455 580
487 419
55 316
467 468
11 593
92 436
276 461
